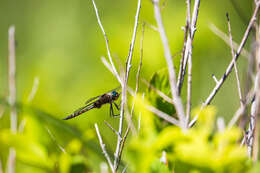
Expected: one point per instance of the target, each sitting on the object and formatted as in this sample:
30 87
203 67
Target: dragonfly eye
114 93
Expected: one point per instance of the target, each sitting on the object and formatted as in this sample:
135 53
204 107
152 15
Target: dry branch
231 65
168 57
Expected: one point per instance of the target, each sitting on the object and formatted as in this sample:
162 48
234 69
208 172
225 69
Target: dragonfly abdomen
79 112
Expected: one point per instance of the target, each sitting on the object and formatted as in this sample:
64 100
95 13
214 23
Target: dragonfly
96 102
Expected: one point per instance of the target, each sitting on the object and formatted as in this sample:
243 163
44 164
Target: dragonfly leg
112 110
116 106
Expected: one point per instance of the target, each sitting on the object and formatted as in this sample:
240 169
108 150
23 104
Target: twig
34 89
221 124
226 39
136 90
22 125
168 57
230 66
2 110
107 45
102 145
124 170
112 129
12 86
186 29
215 79
138 71
12 95
160 93
252 138
124 87
151 26
235 64
1 167
107 64
163 115
54 140
188 47
241 110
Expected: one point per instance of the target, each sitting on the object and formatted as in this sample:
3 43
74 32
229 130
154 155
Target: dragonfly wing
79 111
91 99
115 89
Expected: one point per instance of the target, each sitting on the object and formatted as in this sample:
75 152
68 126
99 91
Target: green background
61 43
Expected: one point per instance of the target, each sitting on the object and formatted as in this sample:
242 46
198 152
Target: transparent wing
93 98
80 109
115 89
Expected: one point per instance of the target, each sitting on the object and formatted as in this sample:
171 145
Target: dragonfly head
115 95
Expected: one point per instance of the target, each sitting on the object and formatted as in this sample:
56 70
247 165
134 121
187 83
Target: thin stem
230 66
107 45
103 147
124 88
12 94
54 140
168 57
226 39
190 40
252 137
241 110
1 167
136 90
189 46
235 64
186 29
160 93
234 59
163 115
111 128
34 89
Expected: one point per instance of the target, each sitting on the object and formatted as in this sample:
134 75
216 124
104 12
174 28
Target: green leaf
160 81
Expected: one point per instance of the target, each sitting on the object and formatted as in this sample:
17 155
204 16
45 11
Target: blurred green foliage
199 149
60 43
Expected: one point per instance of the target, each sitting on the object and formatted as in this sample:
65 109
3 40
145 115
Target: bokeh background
60 43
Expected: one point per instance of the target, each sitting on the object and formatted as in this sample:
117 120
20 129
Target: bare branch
188 47
168 57
2 110
124 87
241 110
1 167
54 140
135 93
112 129
252 137
11 73
151 26
226 39
34 89
107 45
186 30
235 64
160 93
215 79
163 115
230 66
12 94
102 145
